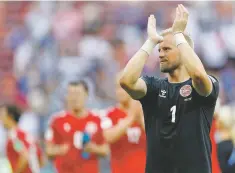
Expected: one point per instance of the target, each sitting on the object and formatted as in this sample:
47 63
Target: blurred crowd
44 45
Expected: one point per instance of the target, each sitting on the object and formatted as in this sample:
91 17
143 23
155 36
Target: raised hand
152 31
89 147
64 148
181 19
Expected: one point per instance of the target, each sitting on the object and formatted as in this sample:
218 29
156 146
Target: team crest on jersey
67 127
91 128
185 90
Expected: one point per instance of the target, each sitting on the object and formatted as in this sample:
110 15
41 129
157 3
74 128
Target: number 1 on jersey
173 110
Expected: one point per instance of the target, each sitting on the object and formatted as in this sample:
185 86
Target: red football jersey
66 128
214 156
129 153
19 142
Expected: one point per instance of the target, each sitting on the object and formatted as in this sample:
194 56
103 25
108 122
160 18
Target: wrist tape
179 39
148 46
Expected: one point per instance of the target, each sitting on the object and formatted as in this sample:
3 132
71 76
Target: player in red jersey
22 150
214 156
124 130
74 137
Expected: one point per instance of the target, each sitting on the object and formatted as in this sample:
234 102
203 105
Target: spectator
225 145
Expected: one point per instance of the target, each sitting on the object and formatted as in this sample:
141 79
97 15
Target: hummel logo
188 99
163 92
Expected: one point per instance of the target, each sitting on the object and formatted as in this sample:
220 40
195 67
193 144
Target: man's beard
76 110
168 69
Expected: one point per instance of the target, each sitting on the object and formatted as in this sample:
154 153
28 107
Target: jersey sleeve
152 84
17 143
107 120
112 118
212 97
215 90
51 132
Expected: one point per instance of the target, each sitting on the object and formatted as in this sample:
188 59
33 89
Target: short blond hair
186 36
